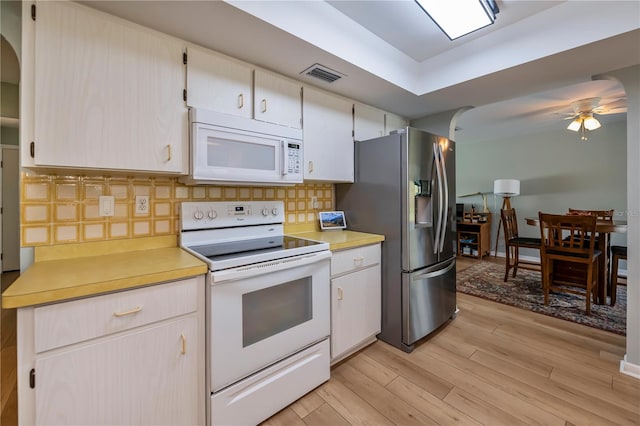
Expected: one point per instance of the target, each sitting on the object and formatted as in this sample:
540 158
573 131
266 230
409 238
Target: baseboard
527 258
629 369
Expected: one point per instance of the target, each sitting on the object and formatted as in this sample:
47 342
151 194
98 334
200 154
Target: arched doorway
9 138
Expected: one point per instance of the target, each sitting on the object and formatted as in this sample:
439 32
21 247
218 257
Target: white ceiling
518 74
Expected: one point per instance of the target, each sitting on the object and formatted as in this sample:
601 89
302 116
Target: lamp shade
506 187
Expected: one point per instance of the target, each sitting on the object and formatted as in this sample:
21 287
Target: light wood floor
492 365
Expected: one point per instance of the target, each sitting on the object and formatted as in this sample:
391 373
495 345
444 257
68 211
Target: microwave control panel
293 158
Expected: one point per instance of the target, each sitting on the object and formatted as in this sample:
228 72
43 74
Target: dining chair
617 253
570 260
513 243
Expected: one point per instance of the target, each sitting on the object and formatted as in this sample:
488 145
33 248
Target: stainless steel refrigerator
404 189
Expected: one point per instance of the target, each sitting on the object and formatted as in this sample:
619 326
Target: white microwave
231 150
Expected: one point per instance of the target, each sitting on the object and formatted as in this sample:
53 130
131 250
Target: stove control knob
212 214
274 211
198 215
265 212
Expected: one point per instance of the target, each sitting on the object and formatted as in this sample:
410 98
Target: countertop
340 239
70 271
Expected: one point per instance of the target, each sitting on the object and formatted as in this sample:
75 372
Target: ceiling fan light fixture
575 124
460 17
590 122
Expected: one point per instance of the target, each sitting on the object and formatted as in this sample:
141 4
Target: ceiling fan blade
615 107
620 110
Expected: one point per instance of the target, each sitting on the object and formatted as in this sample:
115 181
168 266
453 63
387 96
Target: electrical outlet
106 205
314 202
142 204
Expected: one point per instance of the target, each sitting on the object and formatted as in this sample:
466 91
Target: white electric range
268 307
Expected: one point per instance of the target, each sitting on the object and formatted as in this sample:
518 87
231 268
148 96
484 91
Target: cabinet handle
310 166
358 260
340 295
264 105
240 101
169 152
184 343
129 312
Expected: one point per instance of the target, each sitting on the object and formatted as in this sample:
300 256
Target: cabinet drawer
71 322
355 258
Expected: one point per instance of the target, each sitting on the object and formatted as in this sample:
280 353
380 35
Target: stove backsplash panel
59 209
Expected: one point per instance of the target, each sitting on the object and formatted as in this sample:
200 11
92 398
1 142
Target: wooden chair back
601 215
572 235
510 224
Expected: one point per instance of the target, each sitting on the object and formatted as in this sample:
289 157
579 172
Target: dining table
604 228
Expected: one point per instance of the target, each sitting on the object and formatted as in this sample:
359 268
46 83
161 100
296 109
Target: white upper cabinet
328 142
218 83
277 99
107 94
394 122
368 122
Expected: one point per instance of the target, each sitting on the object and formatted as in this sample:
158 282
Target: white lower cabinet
133 357
355 299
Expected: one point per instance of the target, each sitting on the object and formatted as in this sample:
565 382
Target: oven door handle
242 272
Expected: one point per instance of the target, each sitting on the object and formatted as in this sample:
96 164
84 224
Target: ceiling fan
583 118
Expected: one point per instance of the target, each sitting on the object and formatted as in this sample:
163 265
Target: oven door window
273 310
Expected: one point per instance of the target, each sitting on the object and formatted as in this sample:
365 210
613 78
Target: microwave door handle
283 157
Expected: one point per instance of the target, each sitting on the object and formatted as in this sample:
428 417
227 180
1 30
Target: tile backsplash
58 209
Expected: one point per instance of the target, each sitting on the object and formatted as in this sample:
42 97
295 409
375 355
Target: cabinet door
355 309
277 99
108 93
368 122
327 130
218 83
394 122
145 377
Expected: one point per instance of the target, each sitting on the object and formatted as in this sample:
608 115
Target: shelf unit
474 235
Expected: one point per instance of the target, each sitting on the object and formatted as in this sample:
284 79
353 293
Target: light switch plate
142 204
106 205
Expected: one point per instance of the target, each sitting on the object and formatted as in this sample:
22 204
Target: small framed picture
332 220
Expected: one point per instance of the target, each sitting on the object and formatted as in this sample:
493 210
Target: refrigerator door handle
445 211
437 273
436 156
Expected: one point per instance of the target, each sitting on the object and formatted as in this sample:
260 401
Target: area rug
485 280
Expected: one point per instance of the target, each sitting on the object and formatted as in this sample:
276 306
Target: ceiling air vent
323 73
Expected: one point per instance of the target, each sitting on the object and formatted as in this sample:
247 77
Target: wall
58 209
9 108
629 79
556 171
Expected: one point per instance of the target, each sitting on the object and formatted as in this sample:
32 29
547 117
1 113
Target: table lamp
506 188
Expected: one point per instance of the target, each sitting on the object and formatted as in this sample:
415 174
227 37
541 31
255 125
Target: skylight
460 17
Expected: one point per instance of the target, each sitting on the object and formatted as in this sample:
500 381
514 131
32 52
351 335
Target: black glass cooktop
229 249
